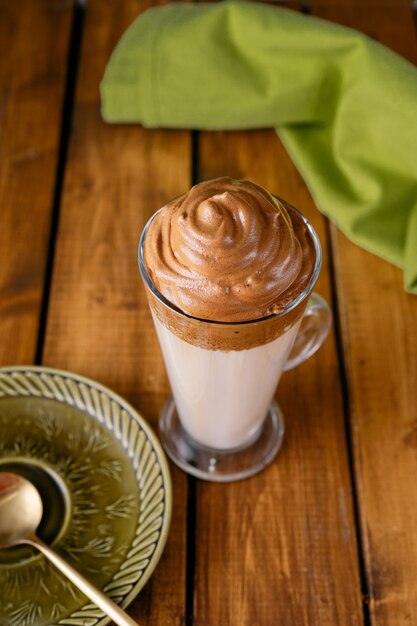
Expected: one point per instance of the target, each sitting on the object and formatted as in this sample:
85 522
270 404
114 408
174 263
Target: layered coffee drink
228 267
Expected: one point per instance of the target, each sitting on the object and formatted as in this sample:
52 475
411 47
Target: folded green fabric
344 106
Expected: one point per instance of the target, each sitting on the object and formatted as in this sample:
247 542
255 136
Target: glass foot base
220 465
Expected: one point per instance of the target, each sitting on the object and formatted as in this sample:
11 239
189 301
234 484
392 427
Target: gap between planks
336 306
73 59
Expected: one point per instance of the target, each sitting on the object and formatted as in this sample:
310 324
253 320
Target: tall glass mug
222 423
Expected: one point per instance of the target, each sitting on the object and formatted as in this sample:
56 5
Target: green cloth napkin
344 106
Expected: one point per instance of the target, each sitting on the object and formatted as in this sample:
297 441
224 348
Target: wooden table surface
325 536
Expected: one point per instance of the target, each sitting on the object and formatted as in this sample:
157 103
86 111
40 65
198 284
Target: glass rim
292 305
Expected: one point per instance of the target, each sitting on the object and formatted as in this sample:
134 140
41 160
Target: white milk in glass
222 398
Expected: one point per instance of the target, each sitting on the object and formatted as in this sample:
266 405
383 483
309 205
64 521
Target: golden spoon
20 515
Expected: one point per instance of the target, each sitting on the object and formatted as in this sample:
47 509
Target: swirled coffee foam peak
229 251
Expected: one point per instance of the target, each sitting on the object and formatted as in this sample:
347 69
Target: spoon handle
103 602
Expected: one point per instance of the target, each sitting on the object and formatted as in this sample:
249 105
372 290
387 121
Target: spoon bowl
20 509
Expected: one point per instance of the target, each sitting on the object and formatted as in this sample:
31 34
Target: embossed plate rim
151 436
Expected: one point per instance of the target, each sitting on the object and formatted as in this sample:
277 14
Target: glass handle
314 328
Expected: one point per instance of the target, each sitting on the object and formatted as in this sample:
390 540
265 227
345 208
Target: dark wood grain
98 322
379 322
34 40
357 5
391 25
280 548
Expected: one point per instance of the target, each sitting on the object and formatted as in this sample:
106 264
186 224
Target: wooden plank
390 5
379 322
34 39
280 548
98 322
390 25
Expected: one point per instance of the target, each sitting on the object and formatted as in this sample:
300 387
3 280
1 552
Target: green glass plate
106 491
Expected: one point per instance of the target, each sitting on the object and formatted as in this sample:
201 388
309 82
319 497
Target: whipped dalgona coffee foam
229 251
